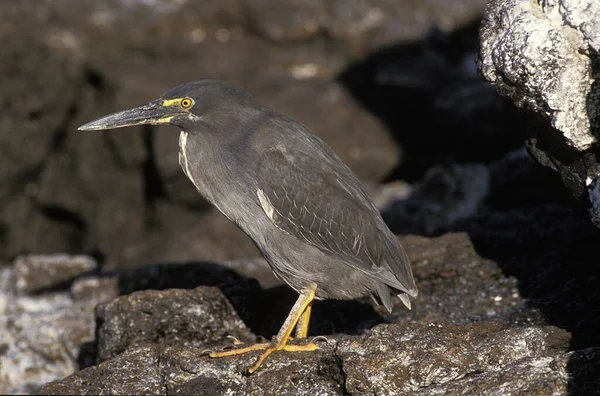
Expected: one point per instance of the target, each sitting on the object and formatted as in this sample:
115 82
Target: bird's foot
267 347
236 342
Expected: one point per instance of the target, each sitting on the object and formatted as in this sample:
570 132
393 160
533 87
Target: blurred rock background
392 86
121 195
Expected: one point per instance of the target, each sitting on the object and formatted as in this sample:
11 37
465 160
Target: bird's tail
384 296
399 278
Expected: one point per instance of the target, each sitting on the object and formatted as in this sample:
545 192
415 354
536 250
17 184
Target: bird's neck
218 166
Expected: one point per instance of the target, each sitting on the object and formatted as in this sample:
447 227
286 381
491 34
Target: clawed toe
268 349
319 339
235 341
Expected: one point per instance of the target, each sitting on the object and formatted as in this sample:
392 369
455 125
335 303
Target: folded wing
330 211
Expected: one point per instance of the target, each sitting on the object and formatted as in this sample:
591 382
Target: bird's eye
186 103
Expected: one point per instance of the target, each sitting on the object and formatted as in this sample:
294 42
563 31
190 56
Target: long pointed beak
150 113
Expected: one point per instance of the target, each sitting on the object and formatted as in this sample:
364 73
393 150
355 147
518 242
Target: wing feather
329 210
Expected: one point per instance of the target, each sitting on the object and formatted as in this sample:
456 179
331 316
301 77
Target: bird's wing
303 196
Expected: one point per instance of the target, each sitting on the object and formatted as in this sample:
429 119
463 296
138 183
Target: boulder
176 317
543 55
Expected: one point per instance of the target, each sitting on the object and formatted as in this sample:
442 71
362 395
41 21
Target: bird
282 185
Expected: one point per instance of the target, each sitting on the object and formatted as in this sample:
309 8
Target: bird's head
184 106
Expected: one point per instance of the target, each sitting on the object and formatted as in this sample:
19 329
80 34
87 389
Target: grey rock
430 358
361 27
185 318
51 334
32 124
168 370
531 51
448 197
94 288
43 337
470 328
548 372
35 272
58 182
543 55
389 360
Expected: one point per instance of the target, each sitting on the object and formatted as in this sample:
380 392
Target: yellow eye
186 103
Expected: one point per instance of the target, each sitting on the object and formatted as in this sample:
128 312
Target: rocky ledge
470 330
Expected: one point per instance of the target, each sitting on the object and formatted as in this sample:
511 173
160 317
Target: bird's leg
279 342
302 325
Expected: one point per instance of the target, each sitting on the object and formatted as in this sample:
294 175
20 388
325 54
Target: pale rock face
41 334
532 54
543 55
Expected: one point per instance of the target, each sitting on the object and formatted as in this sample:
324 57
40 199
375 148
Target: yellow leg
302 326
279 342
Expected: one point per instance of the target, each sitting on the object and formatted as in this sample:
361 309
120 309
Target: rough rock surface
44 336
48 333
469 329
544 55
524 222
472 291
202 317
389 360
540 53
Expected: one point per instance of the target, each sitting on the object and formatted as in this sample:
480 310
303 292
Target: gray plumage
301 205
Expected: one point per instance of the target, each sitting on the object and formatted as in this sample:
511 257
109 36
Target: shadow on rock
593 112
170 304
583 368
263 310
550 250
429 95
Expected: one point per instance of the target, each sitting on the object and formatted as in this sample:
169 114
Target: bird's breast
191 160
217 181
